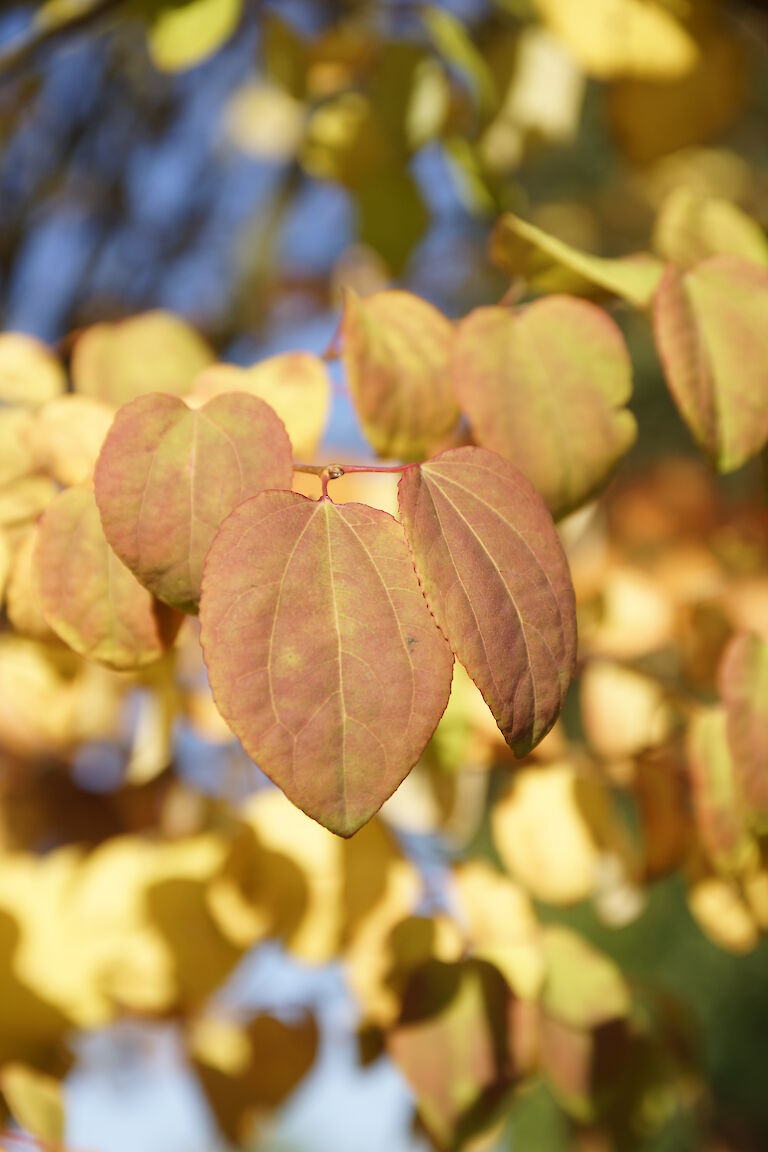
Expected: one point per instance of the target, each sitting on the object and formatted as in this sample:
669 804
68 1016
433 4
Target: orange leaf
496 578
168 475
322 655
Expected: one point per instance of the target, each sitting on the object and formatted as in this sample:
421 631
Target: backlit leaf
396 350
522 249
583 988
168 475
90 599
495 576
321 652
24 500
295 384
691 226
264 121
29 372
16 458
622 37
22 596
743 681
183 35
152 352
67 435
35 1101
711 327
545 387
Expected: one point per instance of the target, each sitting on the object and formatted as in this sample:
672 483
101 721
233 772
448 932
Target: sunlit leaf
452 1046
29 372
152 352
522 249
554 406
158 505
67 435
295 384
743 681
711 327
264 121
5 564
396 350
583 987
722 912
183 35
721 817
550 828
622 37
496 578
655 117
691 226
35 1101
501 925
88 596
467 735
16 457
623 712
23 605
22 501
305 642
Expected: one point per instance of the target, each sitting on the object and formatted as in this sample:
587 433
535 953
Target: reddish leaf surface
168 475
711 327
322 654
496 578
88 596
396 350
743 679
545 387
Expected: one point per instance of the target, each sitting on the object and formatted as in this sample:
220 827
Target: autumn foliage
515 636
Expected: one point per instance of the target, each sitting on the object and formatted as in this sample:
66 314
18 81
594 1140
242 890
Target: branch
51 21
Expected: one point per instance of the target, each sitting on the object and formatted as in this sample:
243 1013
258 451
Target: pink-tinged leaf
545 387
743 680
721 816
396 350
168 475
711 327
322 655
89 598
495 575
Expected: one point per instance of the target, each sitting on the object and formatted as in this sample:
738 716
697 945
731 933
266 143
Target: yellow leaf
692 226
22 595
152 352
623 712
294 384
29 372
723 914
25 499
35 1101
264 121
612 38
16 458
67 435
548 264
182 36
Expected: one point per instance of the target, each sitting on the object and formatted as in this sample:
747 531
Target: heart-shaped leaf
88 596
396 348
545 387
322 655
711 327
495 575
168 475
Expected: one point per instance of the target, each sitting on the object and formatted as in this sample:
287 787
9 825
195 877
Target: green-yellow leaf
35 1101
183 35
692 226
29 372
711 327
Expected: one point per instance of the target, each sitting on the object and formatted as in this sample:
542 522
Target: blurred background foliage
562 953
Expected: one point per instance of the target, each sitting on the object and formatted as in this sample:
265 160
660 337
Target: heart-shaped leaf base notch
495 575
322 654
168 475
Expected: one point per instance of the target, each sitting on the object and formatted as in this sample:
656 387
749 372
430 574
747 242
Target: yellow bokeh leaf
691 226
29 372
183 35
35 1100
67 435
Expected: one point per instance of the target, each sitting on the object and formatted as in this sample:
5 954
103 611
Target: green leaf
168 475
711 328
321 652
545 387
522 249
495 575
396 350
88 596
